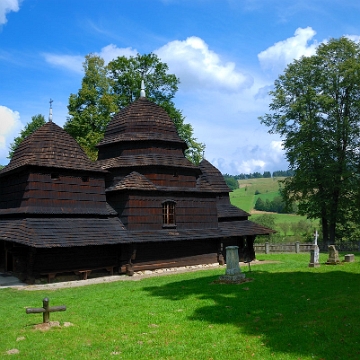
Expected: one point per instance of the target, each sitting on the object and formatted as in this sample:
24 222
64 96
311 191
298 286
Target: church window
168 211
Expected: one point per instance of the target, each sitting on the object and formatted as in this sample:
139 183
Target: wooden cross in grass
46 310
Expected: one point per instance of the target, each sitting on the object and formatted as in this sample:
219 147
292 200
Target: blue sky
227 54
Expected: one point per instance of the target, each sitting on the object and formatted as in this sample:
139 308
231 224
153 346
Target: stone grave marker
333 256
349 258
233 271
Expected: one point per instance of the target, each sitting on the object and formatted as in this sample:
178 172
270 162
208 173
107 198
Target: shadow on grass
313 314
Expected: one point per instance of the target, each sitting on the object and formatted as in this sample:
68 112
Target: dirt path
137 276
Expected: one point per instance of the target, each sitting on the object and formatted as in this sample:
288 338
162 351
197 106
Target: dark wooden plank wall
146 148
168 252
223 199
196 213
12 190
171 177
144 255
143 211
13 257
2 255
76 258
69 190
131 148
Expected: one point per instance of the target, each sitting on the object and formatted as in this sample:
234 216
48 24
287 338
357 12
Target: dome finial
50 110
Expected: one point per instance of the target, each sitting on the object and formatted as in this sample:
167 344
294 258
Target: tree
303 230
91 109
107 89
36 122
316 110
259 205
284 227
231 182
125 75
267 220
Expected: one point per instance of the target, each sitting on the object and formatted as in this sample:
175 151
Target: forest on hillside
232 180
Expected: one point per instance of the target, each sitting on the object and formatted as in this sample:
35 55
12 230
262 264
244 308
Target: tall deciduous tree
316 110
91 108
36 122
107 89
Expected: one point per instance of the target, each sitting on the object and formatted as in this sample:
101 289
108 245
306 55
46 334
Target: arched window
168 211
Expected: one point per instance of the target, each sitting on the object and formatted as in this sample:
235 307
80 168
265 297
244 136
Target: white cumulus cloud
198 67
277 146
355 38
6 6
111 52
276 57
69 62
10 126
251 158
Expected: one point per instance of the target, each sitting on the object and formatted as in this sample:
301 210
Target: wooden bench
84 273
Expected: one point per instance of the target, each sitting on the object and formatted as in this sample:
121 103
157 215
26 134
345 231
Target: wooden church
141 205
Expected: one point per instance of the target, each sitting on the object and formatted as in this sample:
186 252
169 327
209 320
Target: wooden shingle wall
171 177
143 211
170 254
53 191
12 190
69 191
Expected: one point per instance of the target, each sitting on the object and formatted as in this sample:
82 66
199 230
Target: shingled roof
212 177
133 181
230 211
168 160
141 120
51 146
64 232
225 229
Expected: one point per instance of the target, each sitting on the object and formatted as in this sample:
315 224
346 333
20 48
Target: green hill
245 197
265 188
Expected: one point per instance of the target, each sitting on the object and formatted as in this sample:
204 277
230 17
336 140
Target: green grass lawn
288 311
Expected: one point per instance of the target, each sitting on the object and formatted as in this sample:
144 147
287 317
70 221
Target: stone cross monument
314 253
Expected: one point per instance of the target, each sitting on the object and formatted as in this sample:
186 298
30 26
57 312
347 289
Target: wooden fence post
267 248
